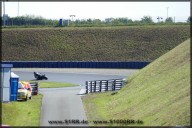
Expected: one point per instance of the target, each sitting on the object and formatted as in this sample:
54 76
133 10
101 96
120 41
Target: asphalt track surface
75 78
64 104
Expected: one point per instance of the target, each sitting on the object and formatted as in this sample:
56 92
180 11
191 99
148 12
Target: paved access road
64 104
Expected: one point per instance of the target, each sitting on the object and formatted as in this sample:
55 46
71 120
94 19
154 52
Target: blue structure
14 86
61 22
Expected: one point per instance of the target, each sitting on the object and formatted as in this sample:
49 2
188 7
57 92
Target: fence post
122 83
107 86
113 88
91 87
86 87
95 86
100 86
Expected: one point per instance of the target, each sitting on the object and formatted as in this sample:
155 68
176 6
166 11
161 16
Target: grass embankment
159 94
55 85
132 43
22 113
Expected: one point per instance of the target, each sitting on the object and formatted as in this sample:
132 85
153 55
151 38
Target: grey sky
100 10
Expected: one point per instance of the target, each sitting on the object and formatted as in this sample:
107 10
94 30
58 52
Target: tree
109 20
169 20
89 21
129 21
123 20
116 22
189 19
146 19
96 21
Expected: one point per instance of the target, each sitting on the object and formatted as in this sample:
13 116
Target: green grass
55 85
119 43
28 113
45 84
159 94
22 113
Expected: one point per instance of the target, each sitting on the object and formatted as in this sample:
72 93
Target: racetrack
61 104
76 78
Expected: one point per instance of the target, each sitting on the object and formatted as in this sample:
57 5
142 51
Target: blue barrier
19 65
34 64
53 65
42 64
77 64
58 64
87 64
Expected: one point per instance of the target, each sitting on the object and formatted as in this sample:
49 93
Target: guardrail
104 85
77 64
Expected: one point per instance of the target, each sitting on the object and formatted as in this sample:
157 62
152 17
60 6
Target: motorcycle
40 76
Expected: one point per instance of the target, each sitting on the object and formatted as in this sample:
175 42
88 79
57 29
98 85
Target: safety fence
104 85
76 64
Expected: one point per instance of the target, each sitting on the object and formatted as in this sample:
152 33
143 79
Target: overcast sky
100 10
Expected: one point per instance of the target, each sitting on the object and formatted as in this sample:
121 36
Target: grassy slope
158 94
133 43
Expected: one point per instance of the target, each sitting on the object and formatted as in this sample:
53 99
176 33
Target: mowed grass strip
158 95
48 84
22 113
55 85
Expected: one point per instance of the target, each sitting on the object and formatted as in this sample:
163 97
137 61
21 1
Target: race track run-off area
63 106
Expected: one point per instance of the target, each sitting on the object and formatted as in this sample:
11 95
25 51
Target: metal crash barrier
104 85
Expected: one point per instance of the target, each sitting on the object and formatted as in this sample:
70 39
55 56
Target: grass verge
22 113
45 84
55 85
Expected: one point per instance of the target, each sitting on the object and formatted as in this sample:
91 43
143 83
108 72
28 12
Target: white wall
5 84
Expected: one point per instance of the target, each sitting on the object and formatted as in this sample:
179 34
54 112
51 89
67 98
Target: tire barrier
76 64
